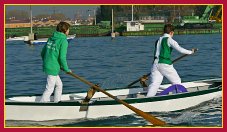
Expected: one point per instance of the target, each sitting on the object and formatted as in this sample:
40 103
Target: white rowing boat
29 107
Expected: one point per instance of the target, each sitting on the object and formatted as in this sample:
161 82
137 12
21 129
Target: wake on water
206 114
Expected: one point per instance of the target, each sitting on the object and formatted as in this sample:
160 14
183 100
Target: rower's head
169 29
63 27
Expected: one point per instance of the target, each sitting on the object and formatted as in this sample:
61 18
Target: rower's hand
194 50
70 71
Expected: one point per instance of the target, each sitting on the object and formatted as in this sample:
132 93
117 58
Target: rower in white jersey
162 65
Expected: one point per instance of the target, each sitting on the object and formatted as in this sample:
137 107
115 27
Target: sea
116 63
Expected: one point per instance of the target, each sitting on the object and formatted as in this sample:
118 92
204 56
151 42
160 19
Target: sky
68 10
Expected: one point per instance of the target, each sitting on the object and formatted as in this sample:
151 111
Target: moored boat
44 40
16 38
29 107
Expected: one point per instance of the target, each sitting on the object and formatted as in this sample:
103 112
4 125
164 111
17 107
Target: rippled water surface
116 63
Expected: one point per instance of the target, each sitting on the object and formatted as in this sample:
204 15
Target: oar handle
148 117
194 49
148 74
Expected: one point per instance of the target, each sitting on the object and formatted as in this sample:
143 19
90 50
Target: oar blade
155 121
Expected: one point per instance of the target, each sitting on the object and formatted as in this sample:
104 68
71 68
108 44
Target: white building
134 26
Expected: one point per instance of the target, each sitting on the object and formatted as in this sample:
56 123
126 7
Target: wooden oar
148 117
179 58
148 74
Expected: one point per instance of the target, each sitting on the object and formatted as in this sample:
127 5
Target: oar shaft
148 117
179 58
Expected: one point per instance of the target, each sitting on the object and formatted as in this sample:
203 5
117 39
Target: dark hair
168 28
62 27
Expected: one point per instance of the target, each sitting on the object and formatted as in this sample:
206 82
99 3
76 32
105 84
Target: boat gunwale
114 102
115 88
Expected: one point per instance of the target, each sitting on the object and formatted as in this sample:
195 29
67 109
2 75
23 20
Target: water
116 63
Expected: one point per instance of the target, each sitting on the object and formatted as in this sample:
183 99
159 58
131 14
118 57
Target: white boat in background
40 41
29 107
44 40
22 38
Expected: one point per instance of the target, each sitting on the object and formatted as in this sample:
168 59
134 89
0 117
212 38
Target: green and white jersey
164 47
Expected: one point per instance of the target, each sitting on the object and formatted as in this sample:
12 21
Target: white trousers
54 83
158 71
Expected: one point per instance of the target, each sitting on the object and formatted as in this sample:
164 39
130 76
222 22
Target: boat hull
36 111
16 38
